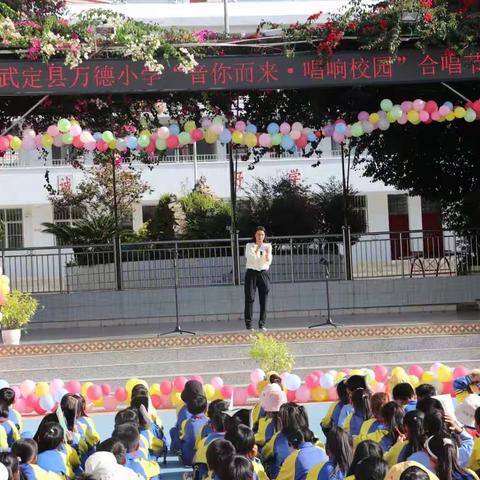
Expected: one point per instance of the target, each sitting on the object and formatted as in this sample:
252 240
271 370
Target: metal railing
210 262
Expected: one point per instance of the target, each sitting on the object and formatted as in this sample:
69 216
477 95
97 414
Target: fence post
117 255
292 270
401 255
60 273
235 247
347 252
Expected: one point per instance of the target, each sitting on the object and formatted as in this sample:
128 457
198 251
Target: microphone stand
329 322
178 329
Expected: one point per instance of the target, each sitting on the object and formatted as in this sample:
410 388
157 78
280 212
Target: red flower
314 17
383 24
428 17
353 25
426 3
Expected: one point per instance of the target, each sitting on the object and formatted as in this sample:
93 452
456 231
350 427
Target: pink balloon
256 375
338 137
27 387
416 370
443 110
424 116
291 395
110 403
318 373
431 106
265 140
418 105
179 383
172 141
312 381
381 373
198 378
332 394
378 387
406 106
156 401
102 146
28 143
55 385
106 389
53 130
73 387
163 132
241 126
32 400
227 391
403 119
296 134
121 394
38 141
16 389
435 115
22 406
363 116
285 128
303 394
216 128
252 390
302 141
166 387
448 389
90 146
206 122
94 392
77 143
196 134
75 130
240 396
460 371
217 383
4 144
297 126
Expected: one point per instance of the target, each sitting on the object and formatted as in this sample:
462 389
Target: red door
432 226
398 226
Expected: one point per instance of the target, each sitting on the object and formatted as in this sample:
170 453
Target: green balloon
276 139
396 111
386 105
470 115
67 138
107 136
184 138
357 129
391 117
218 120
143 141
64 125
160 144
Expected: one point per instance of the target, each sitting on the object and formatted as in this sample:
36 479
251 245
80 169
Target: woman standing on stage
259 258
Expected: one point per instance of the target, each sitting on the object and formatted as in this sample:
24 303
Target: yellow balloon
42 389
250 140
217 396
209 390
47 140
16 143
397 371
414 381
427 377
146 133
413 116
189 126
441 119
210 137
450 116
319 394
339 376
459 112
112 145
176 399
237 137
155 389
356 371
85 387
391 117
132 382
98 403
444 374
374 118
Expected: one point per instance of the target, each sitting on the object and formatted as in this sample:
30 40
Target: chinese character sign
20 77
64 183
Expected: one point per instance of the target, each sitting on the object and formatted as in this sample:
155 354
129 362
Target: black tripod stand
328 322
178 328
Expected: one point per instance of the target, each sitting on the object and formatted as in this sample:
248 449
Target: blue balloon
97 136
293 382
4 384
225 136
287 142
60 394
46 402
311 137
273 128
449 105
251 128
174 129
132 142
340 128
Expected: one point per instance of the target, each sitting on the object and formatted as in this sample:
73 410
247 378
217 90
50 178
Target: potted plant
17 310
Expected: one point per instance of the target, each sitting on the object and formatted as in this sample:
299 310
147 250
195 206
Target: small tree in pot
16 312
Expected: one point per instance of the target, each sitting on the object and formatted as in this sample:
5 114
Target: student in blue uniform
272 398
213 407
304 456
352 383
340 454
8 395
26 451
365 449
219 455
239 468
465 386
372 468
374 423
50 455
10 462
197 409
331 418
425 390
361 411
70 408
404 395
10 429
86 425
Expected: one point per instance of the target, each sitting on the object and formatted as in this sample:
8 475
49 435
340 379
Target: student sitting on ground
10 466
219 455
372 468
365 449
118 450
425 390
8 395
373 424
331 418
361 411
197 408
273 397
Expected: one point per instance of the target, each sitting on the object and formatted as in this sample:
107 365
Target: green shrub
18 309
271 354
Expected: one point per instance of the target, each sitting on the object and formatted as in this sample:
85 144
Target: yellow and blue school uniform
410 406
86 426
55 461
346 410
200 459
331 418
258 469
398 453
257 413
188 439
11 433
176 431
353 424
475 456
371 425
34 472
155 439
468 475
325 471
204 432
463 388
266 430
274 453
147 469
16 418
383 437
297 465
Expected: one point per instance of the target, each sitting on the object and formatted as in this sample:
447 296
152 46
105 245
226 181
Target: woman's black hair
293 417
114 446
414 473
82 405
342 392
239 468
434 424
7 394
425 390
136 404
241 437
11 464
413 425
216 406
127 415
371 468
3 409
71 411
429 404
392 414
356 381
339 448
261 229
139 389
361 403
50 437
365 449
295 438
26 449
219 454
447 456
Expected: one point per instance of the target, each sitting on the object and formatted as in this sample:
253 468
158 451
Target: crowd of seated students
402 434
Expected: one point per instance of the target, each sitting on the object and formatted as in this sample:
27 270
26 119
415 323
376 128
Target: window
336 148
65 216
430 206
398 205
359 206
61 155
12 219
148 212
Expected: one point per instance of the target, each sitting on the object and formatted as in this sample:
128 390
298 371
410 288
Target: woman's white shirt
257 260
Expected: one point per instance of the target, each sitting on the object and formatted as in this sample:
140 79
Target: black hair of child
114 446
413 424
239 468
11 464
219 454
371 468
361 403
403 392
128 434
356 381
218 421
82 405
342 392
7 394
477 416
425 390
197 405
447 458
339 448
26 449
71 411
127 415
392 414
241 437
429 404
217 406
414 473
365 449
4 411
50 437
295 438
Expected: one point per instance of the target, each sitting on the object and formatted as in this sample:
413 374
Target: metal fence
210 262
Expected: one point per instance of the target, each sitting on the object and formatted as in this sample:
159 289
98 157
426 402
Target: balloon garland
286 136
